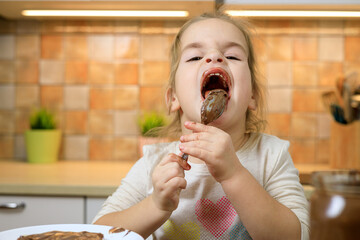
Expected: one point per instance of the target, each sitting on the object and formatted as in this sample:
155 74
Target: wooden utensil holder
345 146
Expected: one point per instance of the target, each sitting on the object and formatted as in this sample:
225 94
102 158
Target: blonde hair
255 119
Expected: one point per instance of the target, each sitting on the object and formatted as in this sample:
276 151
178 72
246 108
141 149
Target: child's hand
214 147
168 180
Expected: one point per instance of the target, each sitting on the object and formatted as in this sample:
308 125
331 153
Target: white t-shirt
204 212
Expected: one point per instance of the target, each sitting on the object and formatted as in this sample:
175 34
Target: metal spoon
212 108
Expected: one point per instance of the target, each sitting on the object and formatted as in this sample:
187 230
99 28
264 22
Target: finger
184 164
171 157
197 152
205 136
197 127
176 183
200 144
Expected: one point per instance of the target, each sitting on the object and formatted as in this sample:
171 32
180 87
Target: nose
214 57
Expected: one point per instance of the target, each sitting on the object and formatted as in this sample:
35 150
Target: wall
99 75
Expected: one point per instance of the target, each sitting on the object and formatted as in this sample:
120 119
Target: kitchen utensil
348 110
338 113
212 108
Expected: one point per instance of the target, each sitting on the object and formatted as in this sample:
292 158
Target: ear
252 103
172 101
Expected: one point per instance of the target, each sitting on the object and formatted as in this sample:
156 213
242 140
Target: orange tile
101 98
52 96
125 149
306 100
303 151
305 74
279 124
303 125
7 144
27 96
27 71
76 72
76 97
259 45
76 122
279 48
352 27
352 48
305 48
101 47
155 47
22 117
126 98
329 72
101 73
101 123
76 147
7 72
126 47
101 149
7 47
322 151
350 67
126 73
7 120
155 73
76 47
51 46
324 125
152 98
27 47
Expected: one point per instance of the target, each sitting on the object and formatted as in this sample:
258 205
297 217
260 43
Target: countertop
82 178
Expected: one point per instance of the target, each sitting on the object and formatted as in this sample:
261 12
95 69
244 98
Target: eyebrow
226 45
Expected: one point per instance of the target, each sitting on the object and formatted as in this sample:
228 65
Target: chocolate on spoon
212 108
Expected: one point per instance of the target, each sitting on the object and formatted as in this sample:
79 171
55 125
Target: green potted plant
43 138
149 123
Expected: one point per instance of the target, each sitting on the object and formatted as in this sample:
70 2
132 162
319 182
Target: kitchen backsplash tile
98 76
305 48
76 122
7 47
101 149
7 97
27 96
331 48
76 97
126 73
27 46
76 147
352 48
52 96
27 71
76 72
76 47
51 72
7 71
101 123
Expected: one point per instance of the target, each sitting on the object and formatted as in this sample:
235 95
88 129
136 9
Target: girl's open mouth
215 78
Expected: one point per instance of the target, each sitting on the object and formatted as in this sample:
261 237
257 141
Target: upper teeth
216 74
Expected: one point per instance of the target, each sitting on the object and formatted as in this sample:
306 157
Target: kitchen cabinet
40 210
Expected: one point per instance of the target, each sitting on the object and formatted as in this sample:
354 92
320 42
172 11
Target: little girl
238 183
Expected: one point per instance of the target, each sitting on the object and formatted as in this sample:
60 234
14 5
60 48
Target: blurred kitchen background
99 75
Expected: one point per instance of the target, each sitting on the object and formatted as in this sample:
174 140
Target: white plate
14 234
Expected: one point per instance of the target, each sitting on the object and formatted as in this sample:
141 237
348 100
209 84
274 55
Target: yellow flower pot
42 146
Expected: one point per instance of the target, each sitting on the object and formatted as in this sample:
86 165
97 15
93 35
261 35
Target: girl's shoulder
263 141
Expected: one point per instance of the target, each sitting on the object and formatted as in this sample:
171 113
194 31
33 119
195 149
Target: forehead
212 30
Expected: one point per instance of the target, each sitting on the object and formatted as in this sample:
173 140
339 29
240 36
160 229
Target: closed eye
194 59
233 58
